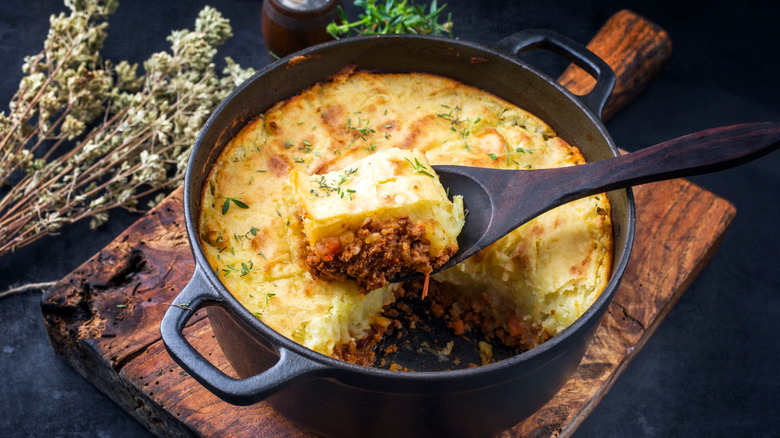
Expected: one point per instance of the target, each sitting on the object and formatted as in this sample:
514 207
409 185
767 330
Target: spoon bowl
500 200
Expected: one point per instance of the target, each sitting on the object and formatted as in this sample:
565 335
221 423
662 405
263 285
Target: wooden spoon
500 200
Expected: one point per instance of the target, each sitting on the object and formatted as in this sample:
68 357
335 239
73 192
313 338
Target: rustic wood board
104 317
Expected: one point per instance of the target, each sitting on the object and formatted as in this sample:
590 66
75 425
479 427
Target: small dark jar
292 25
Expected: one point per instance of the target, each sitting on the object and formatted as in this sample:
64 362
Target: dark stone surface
710 369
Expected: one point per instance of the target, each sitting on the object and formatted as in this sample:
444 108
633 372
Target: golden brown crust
547 272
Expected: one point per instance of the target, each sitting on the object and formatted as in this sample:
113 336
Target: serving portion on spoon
499 200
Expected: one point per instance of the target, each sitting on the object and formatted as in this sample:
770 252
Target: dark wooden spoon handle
702 152
522 195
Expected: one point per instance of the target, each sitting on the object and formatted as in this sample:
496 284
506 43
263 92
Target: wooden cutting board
104 317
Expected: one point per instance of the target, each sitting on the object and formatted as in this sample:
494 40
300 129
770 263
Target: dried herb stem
129 137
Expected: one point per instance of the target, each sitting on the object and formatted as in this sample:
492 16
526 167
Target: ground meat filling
408 323
497 322
361 351
375 254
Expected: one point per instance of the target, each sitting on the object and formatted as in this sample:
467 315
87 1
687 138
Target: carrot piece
425 285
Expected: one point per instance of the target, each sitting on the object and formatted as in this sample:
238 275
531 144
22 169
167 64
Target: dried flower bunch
84 135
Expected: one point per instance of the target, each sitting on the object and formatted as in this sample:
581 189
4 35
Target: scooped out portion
380 216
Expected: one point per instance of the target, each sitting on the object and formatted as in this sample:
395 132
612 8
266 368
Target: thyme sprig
419 167
453 116
125 137
392 17
360 132
244 270
226 205
329 186
510 153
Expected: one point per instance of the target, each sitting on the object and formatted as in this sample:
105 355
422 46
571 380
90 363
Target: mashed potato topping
385 215
254 221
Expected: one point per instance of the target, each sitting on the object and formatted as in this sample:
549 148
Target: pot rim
279 341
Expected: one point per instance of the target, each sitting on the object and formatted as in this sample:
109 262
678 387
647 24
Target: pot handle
198 293
527 40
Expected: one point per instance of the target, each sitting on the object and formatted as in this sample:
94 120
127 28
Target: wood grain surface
104 317
635 48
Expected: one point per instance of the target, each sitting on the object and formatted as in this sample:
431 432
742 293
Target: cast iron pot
335 398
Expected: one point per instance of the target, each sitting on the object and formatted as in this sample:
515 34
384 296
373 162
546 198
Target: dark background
711 369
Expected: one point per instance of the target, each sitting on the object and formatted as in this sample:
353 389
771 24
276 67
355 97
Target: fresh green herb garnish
453 116
246 269
238 203
361 132
510 153
335 186
185 306
419 167
391 17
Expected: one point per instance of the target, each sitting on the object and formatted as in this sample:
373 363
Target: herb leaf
392 17
72 98
335 186
419 167
226 205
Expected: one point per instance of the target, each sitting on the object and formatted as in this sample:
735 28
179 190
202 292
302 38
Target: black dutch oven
336 398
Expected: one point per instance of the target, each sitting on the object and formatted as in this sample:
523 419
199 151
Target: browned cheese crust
521 290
